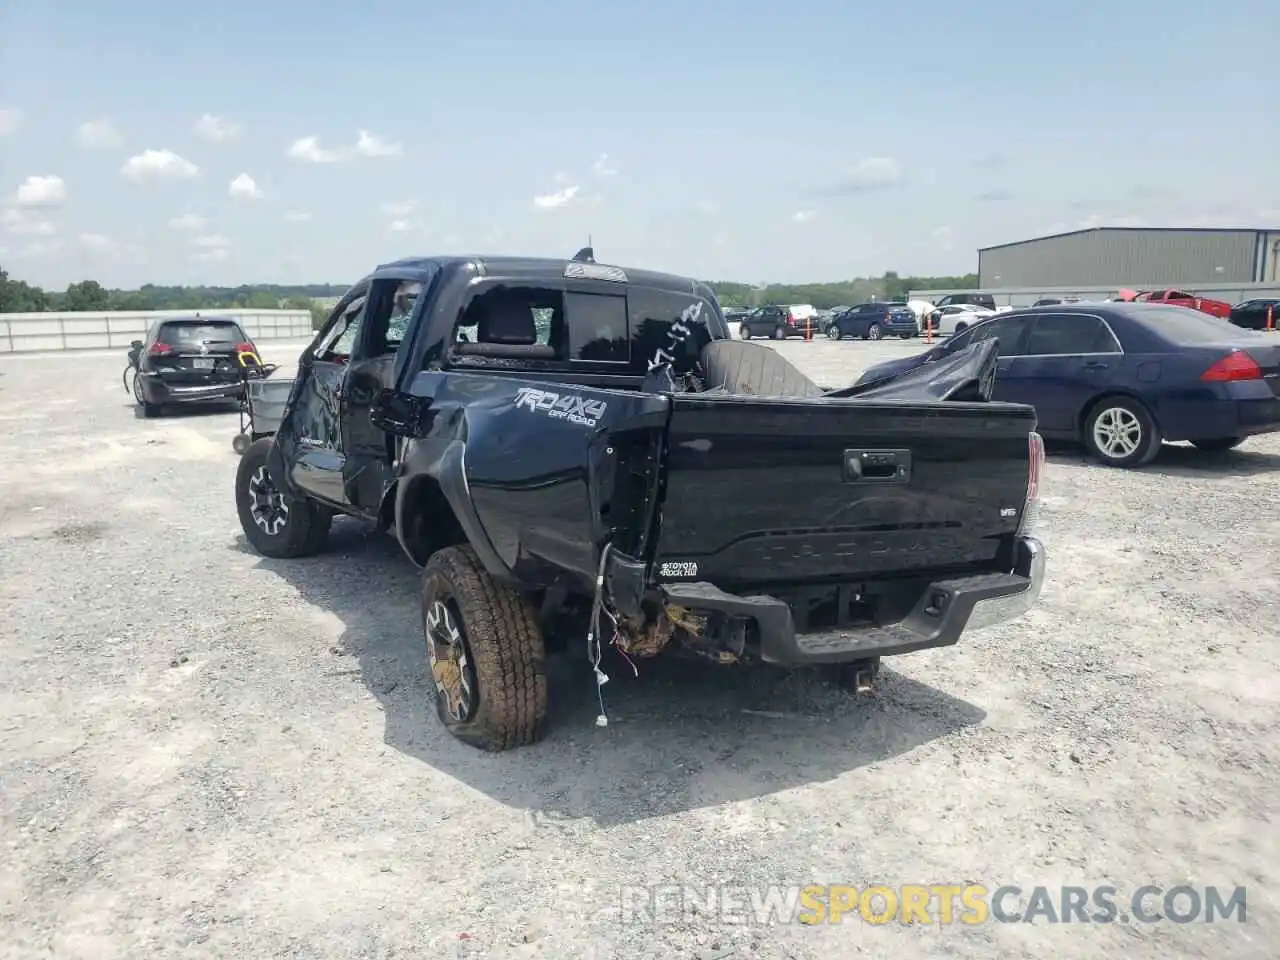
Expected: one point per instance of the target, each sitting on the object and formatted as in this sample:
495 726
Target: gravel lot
206 753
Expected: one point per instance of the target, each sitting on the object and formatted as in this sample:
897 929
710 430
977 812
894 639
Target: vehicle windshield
1183 325
184 333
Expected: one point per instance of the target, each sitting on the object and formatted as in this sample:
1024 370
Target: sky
168 141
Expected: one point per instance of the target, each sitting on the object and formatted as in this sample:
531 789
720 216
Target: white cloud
369 145
187 223
399 208
15 221
601 167
47 191
308 149
211 241
873 173
217 129
297 216
40 249
152 166
802 216
244 188
707 208
551 201
110 248
211 248
941 233
101 133
97 242
10 120
401 226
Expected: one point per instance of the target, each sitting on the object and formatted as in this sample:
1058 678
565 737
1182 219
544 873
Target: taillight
1236 365
1035 471
159 349
245 347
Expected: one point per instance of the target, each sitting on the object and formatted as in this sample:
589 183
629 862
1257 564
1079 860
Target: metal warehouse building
1132 257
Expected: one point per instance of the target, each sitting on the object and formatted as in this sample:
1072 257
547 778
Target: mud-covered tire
504 650
752 369
305 526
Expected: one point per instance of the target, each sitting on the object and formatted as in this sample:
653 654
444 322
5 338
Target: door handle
1096 365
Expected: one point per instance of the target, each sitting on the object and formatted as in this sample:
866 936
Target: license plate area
202 363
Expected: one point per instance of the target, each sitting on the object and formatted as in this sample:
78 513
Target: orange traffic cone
1271 320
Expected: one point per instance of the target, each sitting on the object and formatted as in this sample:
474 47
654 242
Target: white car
954 317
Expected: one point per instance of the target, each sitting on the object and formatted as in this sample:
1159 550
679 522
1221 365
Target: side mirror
135 345
399 413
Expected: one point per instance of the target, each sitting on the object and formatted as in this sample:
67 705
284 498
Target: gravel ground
206 753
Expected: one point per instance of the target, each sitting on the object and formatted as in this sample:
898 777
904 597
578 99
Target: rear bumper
945 610
1253 410
157 390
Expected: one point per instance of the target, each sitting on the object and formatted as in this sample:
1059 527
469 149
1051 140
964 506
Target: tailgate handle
877 466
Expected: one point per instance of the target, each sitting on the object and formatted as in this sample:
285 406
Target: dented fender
528 467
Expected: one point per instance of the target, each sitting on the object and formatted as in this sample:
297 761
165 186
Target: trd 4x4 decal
572 407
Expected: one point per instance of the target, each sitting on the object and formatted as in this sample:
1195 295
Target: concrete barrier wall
30 332
1025 296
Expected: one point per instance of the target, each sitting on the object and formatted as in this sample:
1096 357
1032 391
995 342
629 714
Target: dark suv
871 321
778 323
190 360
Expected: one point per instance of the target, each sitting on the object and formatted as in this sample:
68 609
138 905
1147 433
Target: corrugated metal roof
1073 233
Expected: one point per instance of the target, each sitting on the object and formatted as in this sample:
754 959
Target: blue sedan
1122 378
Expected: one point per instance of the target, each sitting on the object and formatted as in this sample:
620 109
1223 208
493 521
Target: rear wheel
485 651
149 409
873 332
959 326
1219 444
904 336
275 524
1119 432
744 331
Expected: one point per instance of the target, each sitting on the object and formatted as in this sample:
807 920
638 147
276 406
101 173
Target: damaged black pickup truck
577 453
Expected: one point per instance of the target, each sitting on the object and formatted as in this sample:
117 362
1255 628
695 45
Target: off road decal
572 407
680 332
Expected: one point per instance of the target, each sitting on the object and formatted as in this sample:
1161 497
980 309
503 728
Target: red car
1178 298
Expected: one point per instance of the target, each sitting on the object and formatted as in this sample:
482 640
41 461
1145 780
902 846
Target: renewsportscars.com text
944 904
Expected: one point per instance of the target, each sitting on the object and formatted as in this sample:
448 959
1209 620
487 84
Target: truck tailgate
762 490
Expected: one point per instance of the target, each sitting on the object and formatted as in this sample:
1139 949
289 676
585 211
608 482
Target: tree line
18 296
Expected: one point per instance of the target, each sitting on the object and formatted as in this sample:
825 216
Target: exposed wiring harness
593 636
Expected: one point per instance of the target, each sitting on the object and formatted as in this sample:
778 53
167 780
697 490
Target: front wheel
833 332
959 327
744 331
1119 432
485 652
276 524
1218 444
779 333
